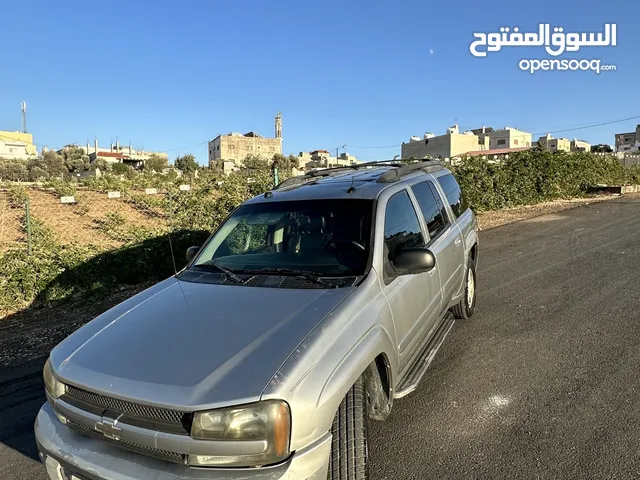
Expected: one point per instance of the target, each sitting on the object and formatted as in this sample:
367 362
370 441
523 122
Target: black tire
464 310
349 458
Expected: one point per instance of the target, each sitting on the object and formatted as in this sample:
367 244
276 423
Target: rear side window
453 194
433 210
401 225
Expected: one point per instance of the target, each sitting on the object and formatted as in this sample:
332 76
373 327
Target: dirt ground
11 232
71 223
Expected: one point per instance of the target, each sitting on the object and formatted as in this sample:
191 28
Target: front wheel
466 307
349 458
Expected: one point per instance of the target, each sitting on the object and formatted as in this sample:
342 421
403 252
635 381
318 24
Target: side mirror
191 253
414 260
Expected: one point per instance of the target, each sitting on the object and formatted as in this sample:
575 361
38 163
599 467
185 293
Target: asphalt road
543 382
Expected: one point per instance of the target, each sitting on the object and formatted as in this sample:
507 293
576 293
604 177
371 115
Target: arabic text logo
555 43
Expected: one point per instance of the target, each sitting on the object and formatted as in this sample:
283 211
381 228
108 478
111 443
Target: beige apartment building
323 159
453 143
555 144
236 147
628 142
445 146
508 137
563 144
17 145
580 146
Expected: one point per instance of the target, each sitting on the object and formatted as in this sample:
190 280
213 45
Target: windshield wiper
297 273
225 271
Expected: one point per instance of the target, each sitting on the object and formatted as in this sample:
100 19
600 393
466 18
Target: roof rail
398 170
396 174
312 175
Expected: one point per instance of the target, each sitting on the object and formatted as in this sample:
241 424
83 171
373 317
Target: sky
170 76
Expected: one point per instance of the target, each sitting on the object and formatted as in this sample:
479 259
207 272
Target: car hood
192 345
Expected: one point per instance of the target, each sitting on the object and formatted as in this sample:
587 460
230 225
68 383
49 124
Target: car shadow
92 287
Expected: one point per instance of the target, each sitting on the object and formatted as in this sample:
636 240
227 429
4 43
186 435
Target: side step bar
415 373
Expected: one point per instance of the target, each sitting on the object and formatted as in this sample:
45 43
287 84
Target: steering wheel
353 243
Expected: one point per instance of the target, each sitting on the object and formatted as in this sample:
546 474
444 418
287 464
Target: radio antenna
352 189
173 257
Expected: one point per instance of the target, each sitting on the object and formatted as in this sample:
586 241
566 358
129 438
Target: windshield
323 237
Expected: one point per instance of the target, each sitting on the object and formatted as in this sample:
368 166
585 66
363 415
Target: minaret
279 125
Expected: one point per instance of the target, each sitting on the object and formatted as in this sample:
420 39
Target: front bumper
65 452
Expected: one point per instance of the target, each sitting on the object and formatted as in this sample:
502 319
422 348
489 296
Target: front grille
134 447
129 408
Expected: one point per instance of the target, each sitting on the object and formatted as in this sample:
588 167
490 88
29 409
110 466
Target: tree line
73 160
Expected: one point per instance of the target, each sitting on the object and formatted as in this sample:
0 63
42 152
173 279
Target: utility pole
23 106
338 154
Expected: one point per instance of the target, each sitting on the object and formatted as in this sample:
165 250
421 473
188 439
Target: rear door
462 215
445 239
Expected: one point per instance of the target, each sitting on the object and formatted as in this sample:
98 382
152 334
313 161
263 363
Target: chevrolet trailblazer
303 316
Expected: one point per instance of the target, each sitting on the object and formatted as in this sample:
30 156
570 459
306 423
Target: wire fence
84 217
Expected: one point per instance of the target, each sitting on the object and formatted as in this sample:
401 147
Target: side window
401 225
433 211
454 194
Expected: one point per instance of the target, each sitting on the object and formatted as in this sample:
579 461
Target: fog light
54 469
63 420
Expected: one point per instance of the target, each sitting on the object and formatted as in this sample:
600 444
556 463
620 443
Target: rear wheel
349 458
466 307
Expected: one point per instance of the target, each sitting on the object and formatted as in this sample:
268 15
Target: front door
414 299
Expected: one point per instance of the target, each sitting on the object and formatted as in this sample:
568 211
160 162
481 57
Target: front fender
318 375
376 341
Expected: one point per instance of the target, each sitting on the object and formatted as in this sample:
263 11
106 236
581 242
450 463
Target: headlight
261 430
54 387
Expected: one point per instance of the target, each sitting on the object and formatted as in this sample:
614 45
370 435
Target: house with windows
508 137
629 141
563 144
17 145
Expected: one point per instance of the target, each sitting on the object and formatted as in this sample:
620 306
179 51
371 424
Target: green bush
152 205
534 176
18 195
107 183
61 187
114 225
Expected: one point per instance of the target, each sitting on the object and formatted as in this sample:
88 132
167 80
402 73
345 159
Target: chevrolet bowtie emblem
109 429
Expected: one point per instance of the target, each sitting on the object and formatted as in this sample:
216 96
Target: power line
591 126
188 146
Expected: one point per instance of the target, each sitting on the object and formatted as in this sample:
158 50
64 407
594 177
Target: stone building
235 147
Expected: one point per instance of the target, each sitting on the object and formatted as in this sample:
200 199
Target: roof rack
396 174
397 171
312 175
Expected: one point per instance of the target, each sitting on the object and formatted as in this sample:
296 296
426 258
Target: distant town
227 152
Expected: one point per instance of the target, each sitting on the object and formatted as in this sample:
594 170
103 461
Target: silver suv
306 314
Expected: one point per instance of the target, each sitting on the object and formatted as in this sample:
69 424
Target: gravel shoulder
497 218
